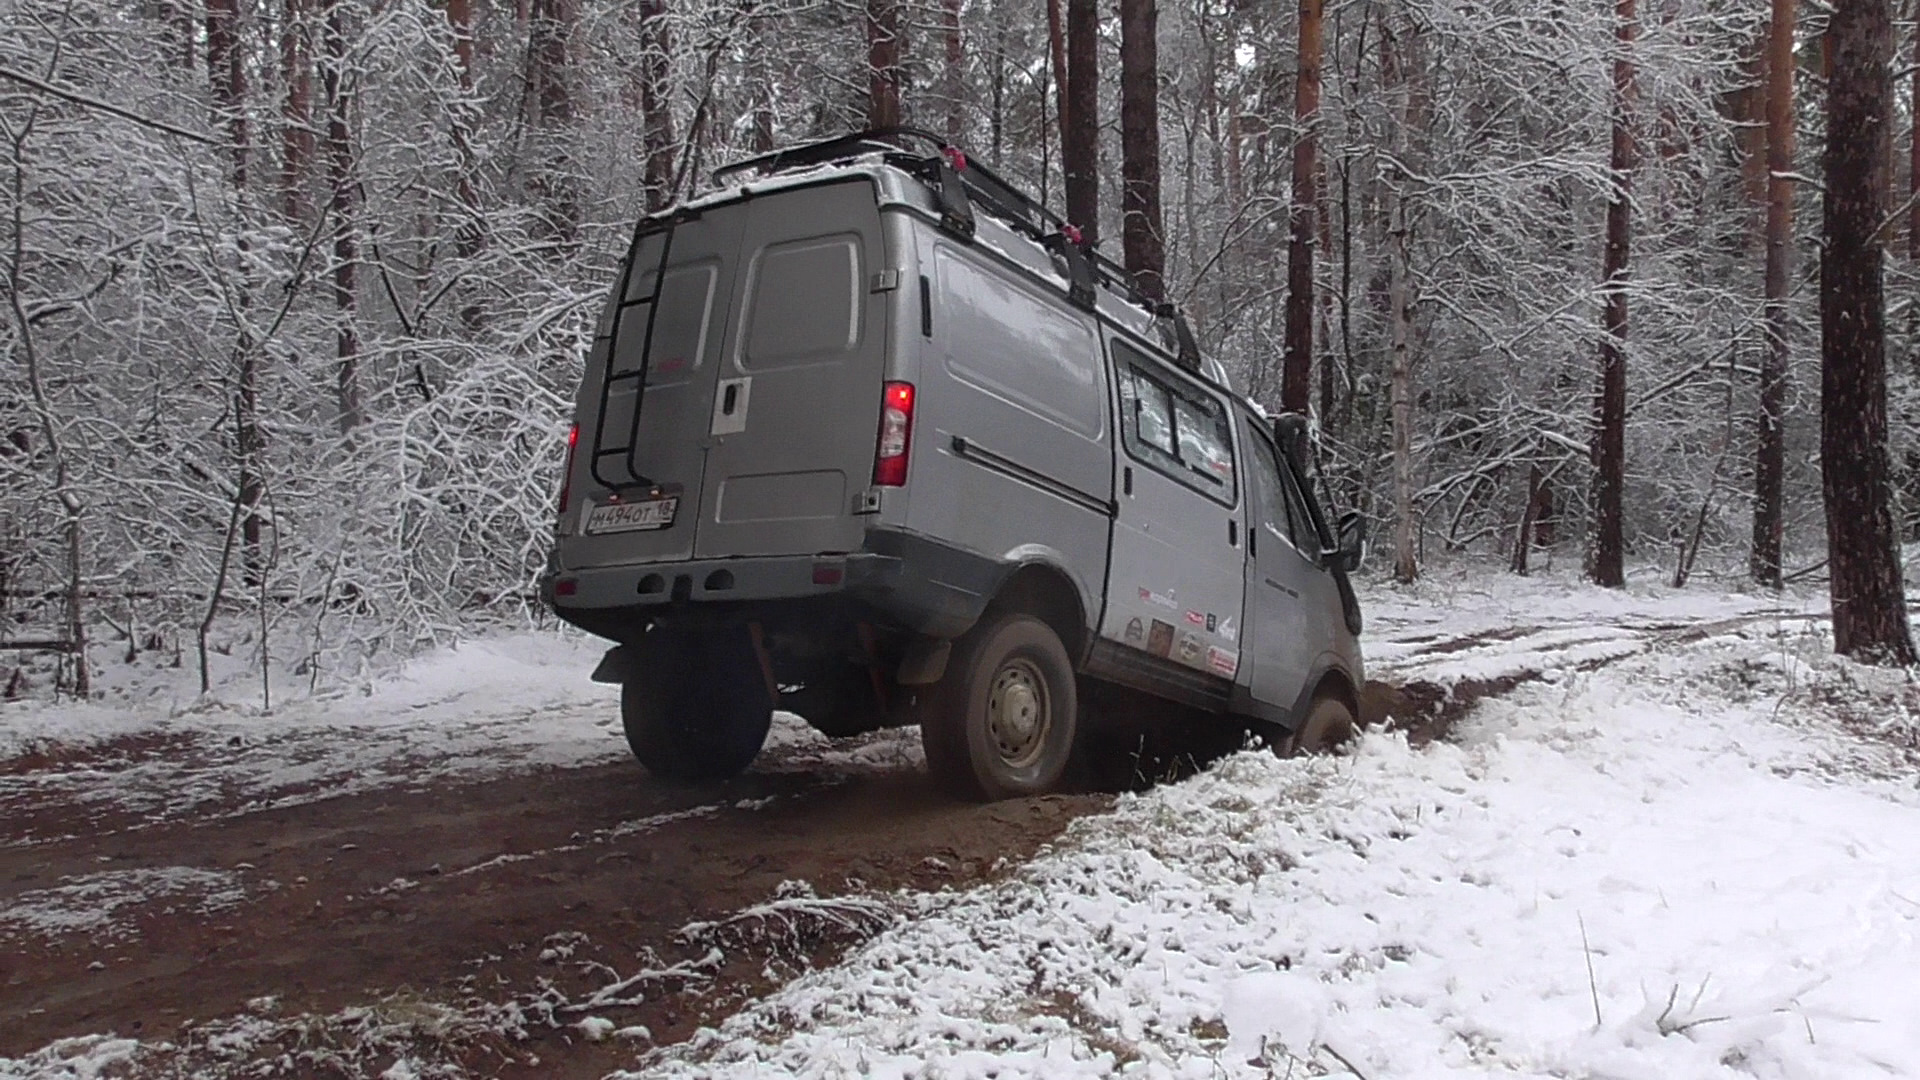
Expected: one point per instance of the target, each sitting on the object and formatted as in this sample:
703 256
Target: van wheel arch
1046 593
1335 684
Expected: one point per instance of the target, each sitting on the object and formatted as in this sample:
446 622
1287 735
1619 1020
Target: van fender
1037 563
1328 663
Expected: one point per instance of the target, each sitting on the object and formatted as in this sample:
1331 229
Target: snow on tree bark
1867 594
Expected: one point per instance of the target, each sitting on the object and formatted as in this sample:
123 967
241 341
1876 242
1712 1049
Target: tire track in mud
477 924
1425 705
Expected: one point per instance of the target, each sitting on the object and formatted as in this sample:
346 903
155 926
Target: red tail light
896 435
566 478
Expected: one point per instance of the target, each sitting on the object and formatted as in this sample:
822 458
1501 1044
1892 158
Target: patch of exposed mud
479 924
1427 711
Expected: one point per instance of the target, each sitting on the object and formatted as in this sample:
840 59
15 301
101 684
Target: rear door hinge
885 281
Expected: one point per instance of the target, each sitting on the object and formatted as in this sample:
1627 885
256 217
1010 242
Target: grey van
868 434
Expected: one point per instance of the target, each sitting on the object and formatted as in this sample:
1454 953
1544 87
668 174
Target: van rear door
666 445
790 426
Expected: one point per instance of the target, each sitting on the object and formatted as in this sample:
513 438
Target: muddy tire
1002 722
695 706
1329 725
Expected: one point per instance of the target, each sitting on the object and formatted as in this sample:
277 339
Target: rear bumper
909 581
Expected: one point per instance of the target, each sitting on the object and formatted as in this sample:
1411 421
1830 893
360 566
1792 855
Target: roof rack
959 182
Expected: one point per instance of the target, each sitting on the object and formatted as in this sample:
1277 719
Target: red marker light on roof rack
896 435
956 157
1073 235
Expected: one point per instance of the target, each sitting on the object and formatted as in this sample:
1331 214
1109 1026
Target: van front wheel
695 705
1001 723
1329 725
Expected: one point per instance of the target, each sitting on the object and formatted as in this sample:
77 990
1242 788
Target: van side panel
1012 458
791 425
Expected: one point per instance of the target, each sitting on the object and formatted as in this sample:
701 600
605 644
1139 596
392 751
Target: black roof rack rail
940 163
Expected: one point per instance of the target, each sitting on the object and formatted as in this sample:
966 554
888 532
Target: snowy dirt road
123 919
458 875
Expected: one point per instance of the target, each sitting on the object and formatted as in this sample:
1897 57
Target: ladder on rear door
611 377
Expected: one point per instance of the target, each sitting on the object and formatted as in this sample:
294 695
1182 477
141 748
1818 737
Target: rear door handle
1233 533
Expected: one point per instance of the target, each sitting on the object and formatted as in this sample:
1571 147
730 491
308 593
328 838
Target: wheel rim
1019 713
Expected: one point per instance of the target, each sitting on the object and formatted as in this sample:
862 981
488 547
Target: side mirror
1290 431
1352 549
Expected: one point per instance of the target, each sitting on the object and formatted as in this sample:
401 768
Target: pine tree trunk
226 74
656 113
1395 72
1751 116
469 235
1868 597
1610 434
346 245
883 63
296 113
1913 155
1142 236
550 87
763 87
1400 395
1296 379
954 80
1080 118
1770 466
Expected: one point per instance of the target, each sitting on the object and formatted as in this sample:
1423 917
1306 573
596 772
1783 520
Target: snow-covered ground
1684 843
1678 865
154 751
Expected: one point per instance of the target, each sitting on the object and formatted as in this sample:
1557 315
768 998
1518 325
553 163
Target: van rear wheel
1001 723
695 705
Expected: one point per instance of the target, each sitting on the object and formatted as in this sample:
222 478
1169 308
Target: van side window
1269 500
1305 536
1175 428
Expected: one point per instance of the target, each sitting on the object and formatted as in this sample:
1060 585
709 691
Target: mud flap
615 666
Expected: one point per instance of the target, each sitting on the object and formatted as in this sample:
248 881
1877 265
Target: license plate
632 516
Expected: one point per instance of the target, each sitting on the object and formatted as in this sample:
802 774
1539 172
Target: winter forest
298 290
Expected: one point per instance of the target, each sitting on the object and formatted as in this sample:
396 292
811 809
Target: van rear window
1175 428
805 297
